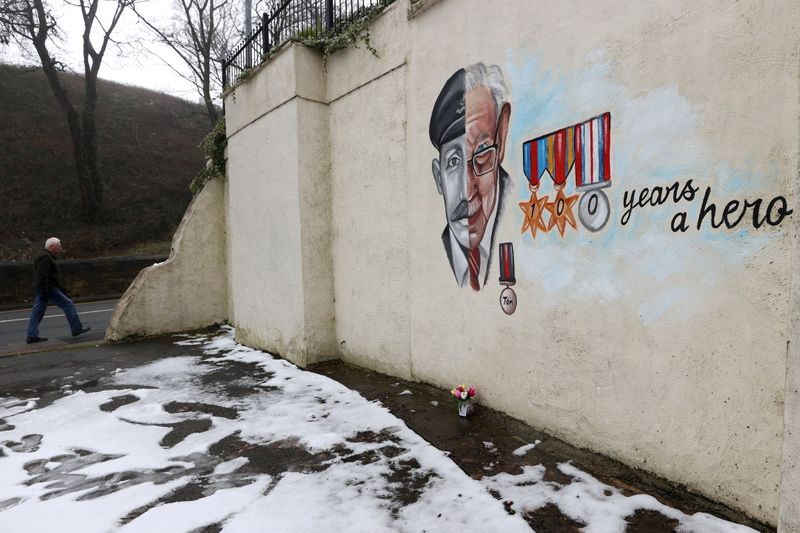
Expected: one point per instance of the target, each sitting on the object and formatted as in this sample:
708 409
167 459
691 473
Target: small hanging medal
508 298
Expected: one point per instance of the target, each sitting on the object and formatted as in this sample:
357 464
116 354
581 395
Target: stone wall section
189 289
659 343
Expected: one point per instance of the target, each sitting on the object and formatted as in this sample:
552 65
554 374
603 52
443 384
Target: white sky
124 64
72 464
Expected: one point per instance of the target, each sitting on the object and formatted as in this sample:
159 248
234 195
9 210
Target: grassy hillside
149 153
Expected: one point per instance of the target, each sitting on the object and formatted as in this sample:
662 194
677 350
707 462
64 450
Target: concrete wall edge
789 497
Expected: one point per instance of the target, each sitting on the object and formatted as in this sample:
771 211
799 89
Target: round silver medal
508 301
593 210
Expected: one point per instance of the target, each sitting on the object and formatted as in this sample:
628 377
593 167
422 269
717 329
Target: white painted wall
664 350
790 468
370 198
188 290
371 315
279 210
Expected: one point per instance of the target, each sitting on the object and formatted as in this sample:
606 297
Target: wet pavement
54 327
482 444
430 413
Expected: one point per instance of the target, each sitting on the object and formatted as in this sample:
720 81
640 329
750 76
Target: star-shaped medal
561 212
533 210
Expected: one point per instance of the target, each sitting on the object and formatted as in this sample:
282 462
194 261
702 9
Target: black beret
447 118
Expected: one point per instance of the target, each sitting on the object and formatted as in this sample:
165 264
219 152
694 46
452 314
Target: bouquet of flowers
463 396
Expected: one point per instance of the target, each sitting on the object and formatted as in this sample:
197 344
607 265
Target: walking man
48 289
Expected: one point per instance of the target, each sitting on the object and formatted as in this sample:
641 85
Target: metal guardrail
292 19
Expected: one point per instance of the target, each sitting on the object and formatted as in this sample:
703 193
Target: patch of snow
230 466
522 450
601 507
117 474
82 468
12 407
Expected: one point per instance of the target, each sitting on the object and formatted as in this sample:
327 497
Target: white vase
464 408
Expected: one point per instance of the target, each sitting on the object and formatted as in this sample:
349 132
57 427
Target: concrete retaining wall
279 214
652 318
790 467
189 289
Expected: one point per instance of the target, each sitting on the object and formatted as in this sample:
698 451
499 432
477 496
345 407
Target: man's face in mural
467 169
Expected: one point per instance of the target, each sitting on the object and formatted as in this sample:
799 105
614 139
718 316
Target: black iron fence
294 19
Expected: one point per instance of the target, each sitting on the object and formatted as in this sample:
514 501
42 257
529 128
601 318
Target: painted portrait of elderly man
468 127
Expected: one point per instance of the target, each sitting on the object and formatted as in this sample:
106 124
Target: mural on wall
468 128
581 151
569 175
694 211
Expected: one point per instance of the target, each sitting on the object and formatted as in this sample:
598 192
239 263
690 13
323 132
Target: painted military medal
508 298
533 210
582 151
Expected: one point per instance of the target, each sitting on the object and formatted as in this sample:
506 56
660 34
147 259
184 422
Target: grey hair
52 241
491 77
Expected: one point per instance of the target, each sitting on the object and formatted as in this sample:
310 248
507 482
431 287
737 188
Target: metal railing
293 19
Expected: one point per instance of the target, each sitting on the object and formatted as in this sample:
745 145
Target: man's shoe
31 340
81 331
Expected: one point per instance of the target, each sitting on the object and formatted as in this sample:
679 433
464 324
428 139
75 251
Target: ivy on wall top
213 146
345 34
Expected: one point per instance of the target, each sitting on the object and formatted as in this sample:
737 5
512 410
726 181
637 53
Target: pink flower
463 393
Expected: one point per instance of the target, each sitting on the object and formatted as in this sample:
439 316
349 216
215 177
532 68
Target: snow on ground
522 450
600 507
241 442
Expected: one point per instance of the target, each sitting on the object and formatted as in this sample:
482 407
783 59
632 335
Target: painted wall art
581 154
757 212
686 212
508 298
468 127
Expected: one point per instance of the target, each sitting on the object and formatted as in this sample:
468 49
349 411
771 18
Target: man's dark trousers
40 306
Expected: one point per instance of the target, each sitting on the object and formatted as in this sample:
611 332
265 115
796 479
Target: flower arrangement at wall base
463 396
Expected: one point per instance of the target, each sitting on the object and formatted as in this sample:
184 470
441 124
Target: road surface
54 326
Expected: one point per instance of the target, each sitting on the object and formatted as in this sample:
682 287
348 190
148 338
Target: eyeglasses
484 160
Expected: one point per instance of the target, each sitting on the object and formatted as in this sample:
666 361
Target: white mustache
466 209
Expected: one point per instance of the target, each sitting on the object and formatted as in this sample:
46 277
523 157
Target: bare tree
31 23
5 32
200 34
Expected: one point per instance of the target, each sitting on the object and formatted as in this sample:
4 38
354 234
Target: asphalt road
54 326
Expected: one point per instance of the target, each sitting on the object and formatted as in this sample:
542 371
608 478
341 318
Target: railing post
328 15
265 36
248 31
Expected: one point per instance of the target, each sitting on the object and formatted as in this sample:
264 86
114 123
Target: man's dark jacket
46 275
